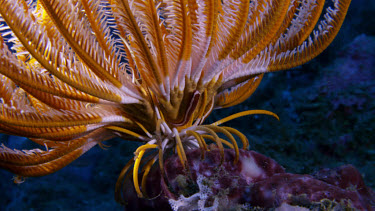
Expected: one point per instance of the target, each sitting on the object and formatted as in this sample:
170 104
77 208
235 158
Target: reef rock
255 182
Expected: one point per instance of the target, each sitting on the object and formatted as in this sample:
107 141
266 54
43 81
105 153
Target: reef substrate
255 182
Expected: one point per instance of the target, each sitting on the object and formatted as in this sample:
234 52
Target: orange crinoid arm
74 73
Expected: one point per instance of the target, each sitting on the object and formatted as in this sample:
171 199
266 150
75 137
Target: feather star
75 73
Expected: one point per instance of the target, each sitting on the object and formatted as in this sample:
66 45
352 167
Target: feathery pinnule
75 73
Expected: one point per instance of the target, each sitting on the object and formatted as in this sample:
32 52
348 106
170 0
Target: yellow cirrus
75 73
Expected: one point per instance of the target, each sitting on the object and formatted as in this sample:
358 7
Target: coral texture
254 182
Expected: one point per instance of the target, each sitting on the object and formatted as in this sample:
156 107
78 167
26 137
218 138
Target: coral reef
306 140
349 81
302 143
255 182
324 122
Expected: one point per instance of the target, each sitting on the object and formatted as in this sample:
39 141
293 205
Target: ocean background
327 119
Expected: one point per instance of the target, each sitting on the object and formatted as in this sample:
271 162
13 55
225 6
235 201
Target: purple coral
256 181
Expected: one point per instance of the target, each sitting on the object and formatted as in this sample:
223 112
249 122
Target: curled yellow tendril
199 134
